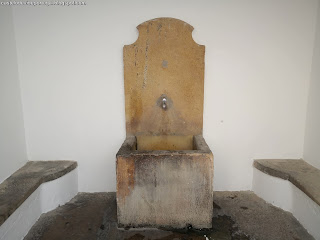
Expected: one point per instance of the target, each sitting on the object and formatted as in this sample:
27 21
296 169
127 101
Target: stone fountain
164 166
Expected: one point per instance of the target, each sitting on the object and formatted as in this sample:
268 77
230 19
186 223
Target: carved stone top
164 80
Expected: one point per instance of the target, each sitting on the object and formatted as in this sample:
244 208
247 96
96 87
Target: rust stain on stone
125 177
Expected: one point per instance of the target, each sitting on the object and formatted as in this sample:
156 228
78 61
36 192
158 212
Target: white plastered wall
311 152
258 63
13 153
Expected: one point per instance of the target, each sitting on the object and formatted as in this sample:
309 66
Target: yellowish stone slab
166 142
165 61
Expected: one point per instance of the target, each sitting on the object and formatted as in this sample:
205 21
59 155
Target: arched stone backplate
165 61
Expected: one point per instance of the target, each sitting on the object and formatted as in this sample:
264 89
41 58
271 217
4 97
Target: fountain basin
165 188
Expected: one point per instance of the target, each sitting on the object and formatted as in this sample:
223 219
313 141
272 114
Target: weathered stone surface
237 215
165 188
164 167
164 61
298 172
164 142
20 185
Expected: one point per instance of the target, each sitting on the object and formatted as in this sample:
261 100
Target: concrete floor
237 215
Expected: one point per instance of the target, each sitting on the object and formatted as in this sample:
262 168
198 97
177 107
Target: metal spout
164 103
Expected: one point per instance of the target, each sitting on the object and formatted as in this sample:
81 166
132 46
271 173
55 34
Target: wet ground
237 215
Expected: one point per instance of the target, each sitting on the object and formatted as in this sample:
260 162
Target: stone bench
37 187
298 172
293 185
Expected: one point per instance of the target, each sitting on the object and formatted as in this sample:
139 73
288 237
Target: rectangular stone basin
165 181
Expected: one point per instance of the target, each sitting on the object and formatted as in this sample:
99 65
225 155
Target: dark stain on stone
223 228
232 197
245 208
99 210
126 228
136 237
216 206
225 225
164 63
